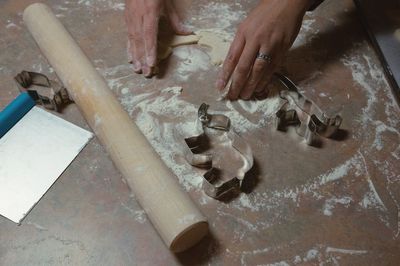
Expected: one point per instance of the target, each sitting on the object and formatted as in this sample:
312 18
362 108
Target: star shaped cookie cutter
195 147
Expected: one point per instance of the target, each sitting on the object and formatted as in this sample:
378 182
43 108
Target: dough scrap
182 40
165 46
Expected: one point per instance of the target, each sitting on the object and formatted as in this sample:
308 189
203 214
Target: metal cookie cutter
194 148
59 94
311 122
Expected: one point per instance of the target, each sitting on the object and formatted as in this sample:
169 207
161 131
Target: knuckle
148 30
132 37
135 37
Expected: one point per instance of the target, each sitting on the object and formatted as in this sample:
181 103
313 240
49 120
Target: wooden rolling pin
172 212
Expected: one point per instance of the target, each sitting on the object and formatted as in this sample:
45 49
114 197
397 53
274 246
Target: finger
257 72
262 85
174 19
242 71
135 61
131 40
139 43
232 58
150 30
276 57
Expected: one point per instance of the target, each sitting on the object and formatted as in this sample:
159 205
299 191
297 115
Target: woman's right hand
142 18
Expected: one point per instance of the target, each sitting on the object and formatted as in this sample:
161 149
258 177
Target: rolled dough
217 42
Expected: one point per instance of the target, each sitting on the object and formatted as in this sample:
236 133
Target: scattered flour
338 172
191 61
264 110
139 215
380 128
307 32
150 107
371 80
174 89
12 25
97 121
345 251
371 186
297 259
311 255
103 4
125 91
271 201
362 70
330 204
325 255
369 201
281 263
161 135
359 73
37 226
317 255
210 15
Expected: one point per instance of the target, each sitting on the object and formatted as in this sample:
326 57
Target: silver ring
264 57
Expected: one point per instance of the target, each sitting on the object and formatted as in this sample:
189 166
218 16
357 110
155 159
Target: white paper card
33 154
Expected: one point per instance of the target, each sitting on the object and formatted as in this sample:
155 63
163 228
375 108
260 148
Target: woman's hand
261 41
142 18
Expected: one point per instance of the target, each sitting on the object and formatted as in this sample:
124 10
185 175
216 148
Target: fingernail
147 71
220 84
137 66
245 97
151 60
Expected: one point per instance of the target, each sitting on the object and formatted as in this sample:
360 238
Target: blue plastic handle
14 112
